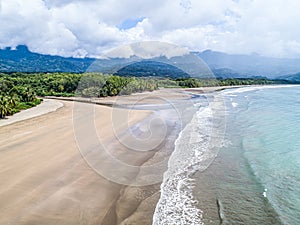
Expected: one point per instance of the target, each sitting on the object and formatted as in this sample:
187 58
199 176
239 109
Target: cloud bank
90 27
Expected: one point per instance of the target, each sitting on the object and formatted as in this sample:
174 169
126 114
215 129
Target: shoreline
47 180
249 191
38 129
48 105
143 98
54 172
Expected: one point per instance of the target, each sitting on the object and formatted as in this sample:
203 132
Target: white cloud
147 50
89 27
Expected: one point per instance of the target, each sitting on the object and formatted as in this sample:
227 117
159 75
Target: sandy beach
45 180
155 97
50 168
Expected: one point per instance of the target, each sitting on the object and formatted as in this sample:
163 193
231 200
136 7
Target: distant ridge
291 77
221 64
249 65
23 60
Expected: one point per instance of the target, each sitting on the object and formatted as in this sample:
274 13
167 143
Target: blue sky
90 27
130 23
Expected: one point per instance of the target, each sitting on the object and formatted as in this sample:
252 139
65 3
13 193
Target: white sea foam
195 148
265 192
234 104
232 92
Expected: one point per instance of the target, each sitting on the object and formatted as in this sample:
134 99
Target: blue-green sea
240 165
255 179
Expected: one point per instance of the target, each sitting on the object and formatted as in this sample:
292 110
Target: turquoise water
256 178
253 177
271 145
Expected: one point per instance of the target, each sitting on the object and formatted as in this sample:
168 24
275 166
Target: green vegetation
193 82
19 90
14 98
87 85
100 85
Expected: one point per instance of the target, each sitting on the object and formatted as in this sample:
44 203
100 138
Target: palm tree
12 100
28 95
5 109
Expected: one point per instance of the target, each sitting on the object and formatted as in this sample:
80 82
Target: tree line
20 90
207 82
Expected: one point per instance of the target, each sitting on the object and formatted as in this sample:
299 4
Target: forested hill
221 64
22 60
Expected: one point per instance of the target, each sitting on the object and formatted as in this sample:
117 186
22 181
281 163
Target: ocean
237 161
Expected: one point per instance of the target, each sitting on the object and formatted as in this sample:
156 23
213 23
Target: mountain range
220 64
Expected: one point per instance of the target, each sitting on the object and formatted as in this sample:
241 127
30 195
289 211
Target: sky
83 28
